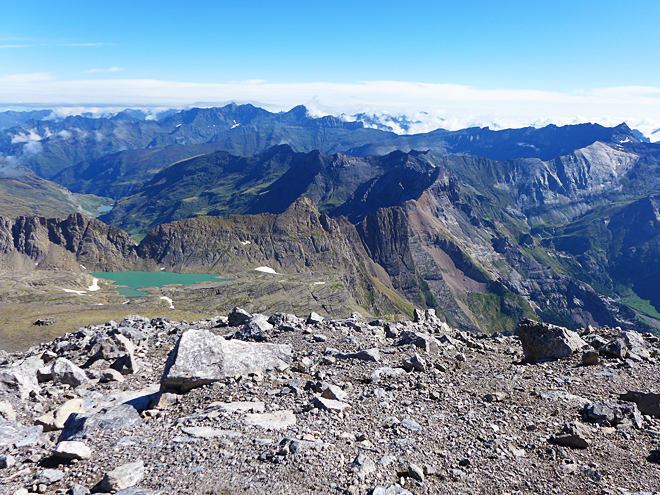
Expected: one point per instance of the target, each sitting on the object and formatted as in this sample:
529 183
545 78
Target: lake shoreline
128 283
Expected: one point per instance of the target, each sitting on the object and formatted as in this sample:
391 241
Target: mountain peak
299 111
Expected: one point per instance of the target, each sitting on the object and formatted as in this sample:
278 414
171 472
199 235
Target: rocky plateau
250 403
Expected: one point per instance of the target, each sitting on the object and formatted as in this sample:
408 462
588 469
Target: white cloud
10 167
19 79
32 148
22 137
429 105
111 69
2 47
83 44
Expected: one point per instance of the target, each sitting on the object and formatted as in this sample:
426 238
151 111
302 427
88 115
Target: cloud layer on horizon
431 105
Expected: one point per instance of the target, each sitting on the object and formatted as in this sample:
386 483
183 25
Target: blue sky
176 53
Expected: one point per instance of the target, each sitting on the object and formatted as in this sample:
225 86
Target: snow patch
162 269
95 285
168 300
319 283
265 269
245 243
71 291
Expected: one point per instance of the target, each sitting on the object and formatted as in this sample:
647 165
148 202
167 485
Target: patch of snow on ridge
94 286
168 300
265 269
71 291
245 243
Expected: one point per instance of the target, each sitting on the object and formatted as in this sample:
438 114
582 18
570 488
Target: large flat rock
112 418
543 341
201 357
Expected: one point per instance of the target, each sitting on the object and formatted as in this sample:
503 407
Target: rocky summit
255 404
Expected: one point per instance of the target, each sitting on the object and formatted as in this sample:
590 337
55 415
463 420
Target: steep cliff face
299 240
31 243
440 252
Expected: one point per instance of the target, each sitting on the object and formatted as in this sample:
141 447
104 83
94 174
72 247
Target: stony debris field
278 404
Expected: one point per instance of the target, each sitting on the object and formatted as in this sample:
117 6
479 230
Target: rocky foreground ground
279 404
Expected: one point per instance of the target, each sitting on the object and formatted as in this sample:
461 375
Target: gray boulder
613 413
81 426
277 420
238 317
366 355
636 344
574 435
420 339
330 404
110 375
333 392
79 490
314 319
293 446
543 341
50 476
590 357
72 450
257 329
277 319
65 372
617 348
124 476
12 433
21 378
363 465
416 363
201 357
647 403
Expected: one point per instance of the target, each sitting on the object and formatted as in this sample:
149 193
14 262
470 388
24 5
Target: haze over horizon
440 63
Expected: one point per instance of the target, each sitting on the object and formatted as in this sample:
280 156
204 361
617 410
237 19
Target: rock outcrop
30 243
542 341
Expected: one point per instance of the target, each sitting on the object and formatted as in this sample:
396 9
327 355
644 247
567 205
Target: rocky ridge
330 406
77 243
435 251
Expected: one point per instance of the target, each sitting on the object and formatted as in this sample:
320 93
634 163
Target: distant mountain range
561 223
50 146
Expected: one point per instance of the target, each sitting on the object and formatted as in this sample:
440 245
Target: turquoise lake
135 280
